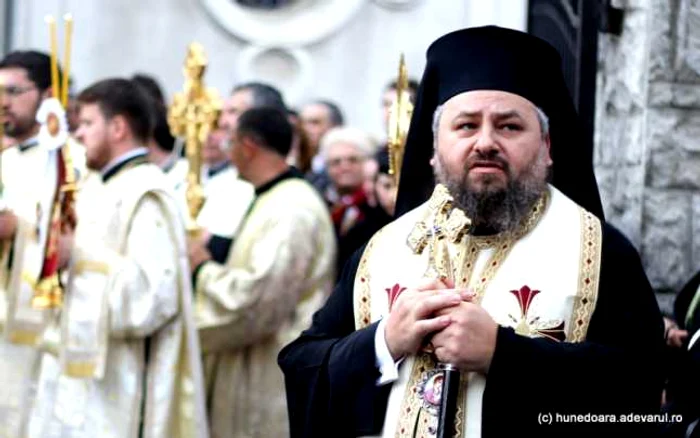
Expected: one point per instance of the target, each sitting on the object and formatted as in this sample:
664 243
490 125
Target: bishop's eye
511 127
467 126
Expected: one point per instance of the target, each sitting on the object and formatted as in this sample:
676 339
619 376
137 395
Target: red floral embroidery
553 330
525 296
394 292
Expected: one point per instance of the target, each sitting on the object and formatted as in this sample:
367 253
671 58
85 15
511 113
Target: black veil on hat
494 58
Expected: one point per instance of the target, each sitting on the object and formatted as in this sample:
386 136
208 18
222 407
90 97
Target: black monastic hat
494 58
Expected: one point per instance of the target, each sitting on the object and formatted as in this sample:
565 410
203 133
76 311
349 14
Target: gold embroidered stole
85 317
417 416
25 324
85 336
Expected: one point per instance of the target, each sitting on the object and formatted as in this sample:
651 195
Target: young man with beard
543 308
128 360
29 185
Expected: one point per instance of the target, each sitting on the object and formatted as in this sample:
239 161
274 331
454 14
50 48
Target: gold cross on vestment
442 224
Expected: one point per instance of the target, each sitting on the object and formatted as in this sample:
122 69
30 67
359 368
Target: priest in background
29 185
278 271
127 358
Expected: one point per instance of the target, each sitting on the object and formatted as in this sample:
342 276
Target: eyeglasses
14 90
350 160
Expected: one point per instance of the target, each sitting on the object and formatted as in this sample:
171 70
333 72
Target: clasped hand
461 332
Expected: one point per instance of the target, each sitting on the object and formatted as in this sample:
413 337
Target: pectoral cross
443 224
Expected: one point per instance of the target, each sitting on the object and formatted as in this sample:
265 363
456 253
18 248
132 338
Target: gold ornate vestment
512 277
279 271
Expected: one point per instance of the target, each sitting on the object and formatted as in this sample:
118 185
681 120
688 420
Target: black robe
331 373
374 219
681 306
683 386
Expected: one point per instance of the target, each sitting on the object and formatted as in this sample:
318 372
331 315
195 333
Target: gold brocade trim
80 370
23 337
411 407
411 417
589 276
363 310
29 279
424 423
425 362
91 266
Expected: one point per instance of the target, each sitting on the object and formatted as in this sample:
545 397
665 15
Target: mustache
8 117
490 158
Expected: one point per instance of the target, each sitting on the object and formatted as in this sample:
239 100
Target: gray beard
493 209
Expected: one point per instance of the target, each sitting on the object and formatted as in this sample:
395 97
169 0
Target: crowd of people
321 297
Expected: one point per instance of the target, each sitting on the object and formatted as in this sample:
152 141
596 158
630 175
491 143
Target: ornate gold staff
48 292
192 115
443 225
399 121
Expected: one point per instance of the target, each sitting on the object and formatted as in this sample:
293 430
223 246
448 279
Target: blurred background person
317 118
277 273
345 151
161 143
300 155
389 98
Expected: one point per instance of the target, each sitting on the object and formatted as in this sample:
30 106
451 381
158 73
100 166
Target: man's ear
118 127
248 147
548 144
433 159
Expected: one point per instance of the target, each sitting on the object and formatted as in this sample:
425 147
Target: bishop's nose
486 143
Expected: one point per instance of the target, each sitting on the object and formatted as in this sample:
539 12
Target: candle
68 19
54 53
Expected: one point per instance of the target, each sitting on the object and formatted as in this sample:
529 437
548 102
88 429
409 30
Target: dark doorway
572 27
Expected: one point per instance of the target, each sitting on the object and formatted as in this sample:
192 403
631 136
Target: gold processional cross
192 115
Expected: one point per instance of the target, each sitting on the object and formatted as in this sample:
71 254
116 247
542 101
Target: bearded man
542 306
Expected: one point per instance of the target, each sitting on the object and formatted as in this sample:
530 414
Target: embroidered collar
169 163
28 144
128 160
287 174
217 168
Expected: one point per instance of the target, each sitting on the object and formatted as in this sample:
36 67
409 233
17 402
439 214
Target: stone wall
343 50
648 136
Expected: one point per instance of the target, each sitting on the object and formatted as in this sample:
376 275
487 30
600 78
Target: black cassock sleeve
331 373
617 371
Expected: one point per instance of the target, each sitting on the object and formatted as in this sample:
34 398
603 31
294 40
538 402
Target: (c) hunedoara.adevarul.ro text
556 418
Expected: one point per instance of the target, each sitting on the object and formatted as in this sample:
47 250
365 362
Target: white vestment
227 198
279 271
511 275
128 362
